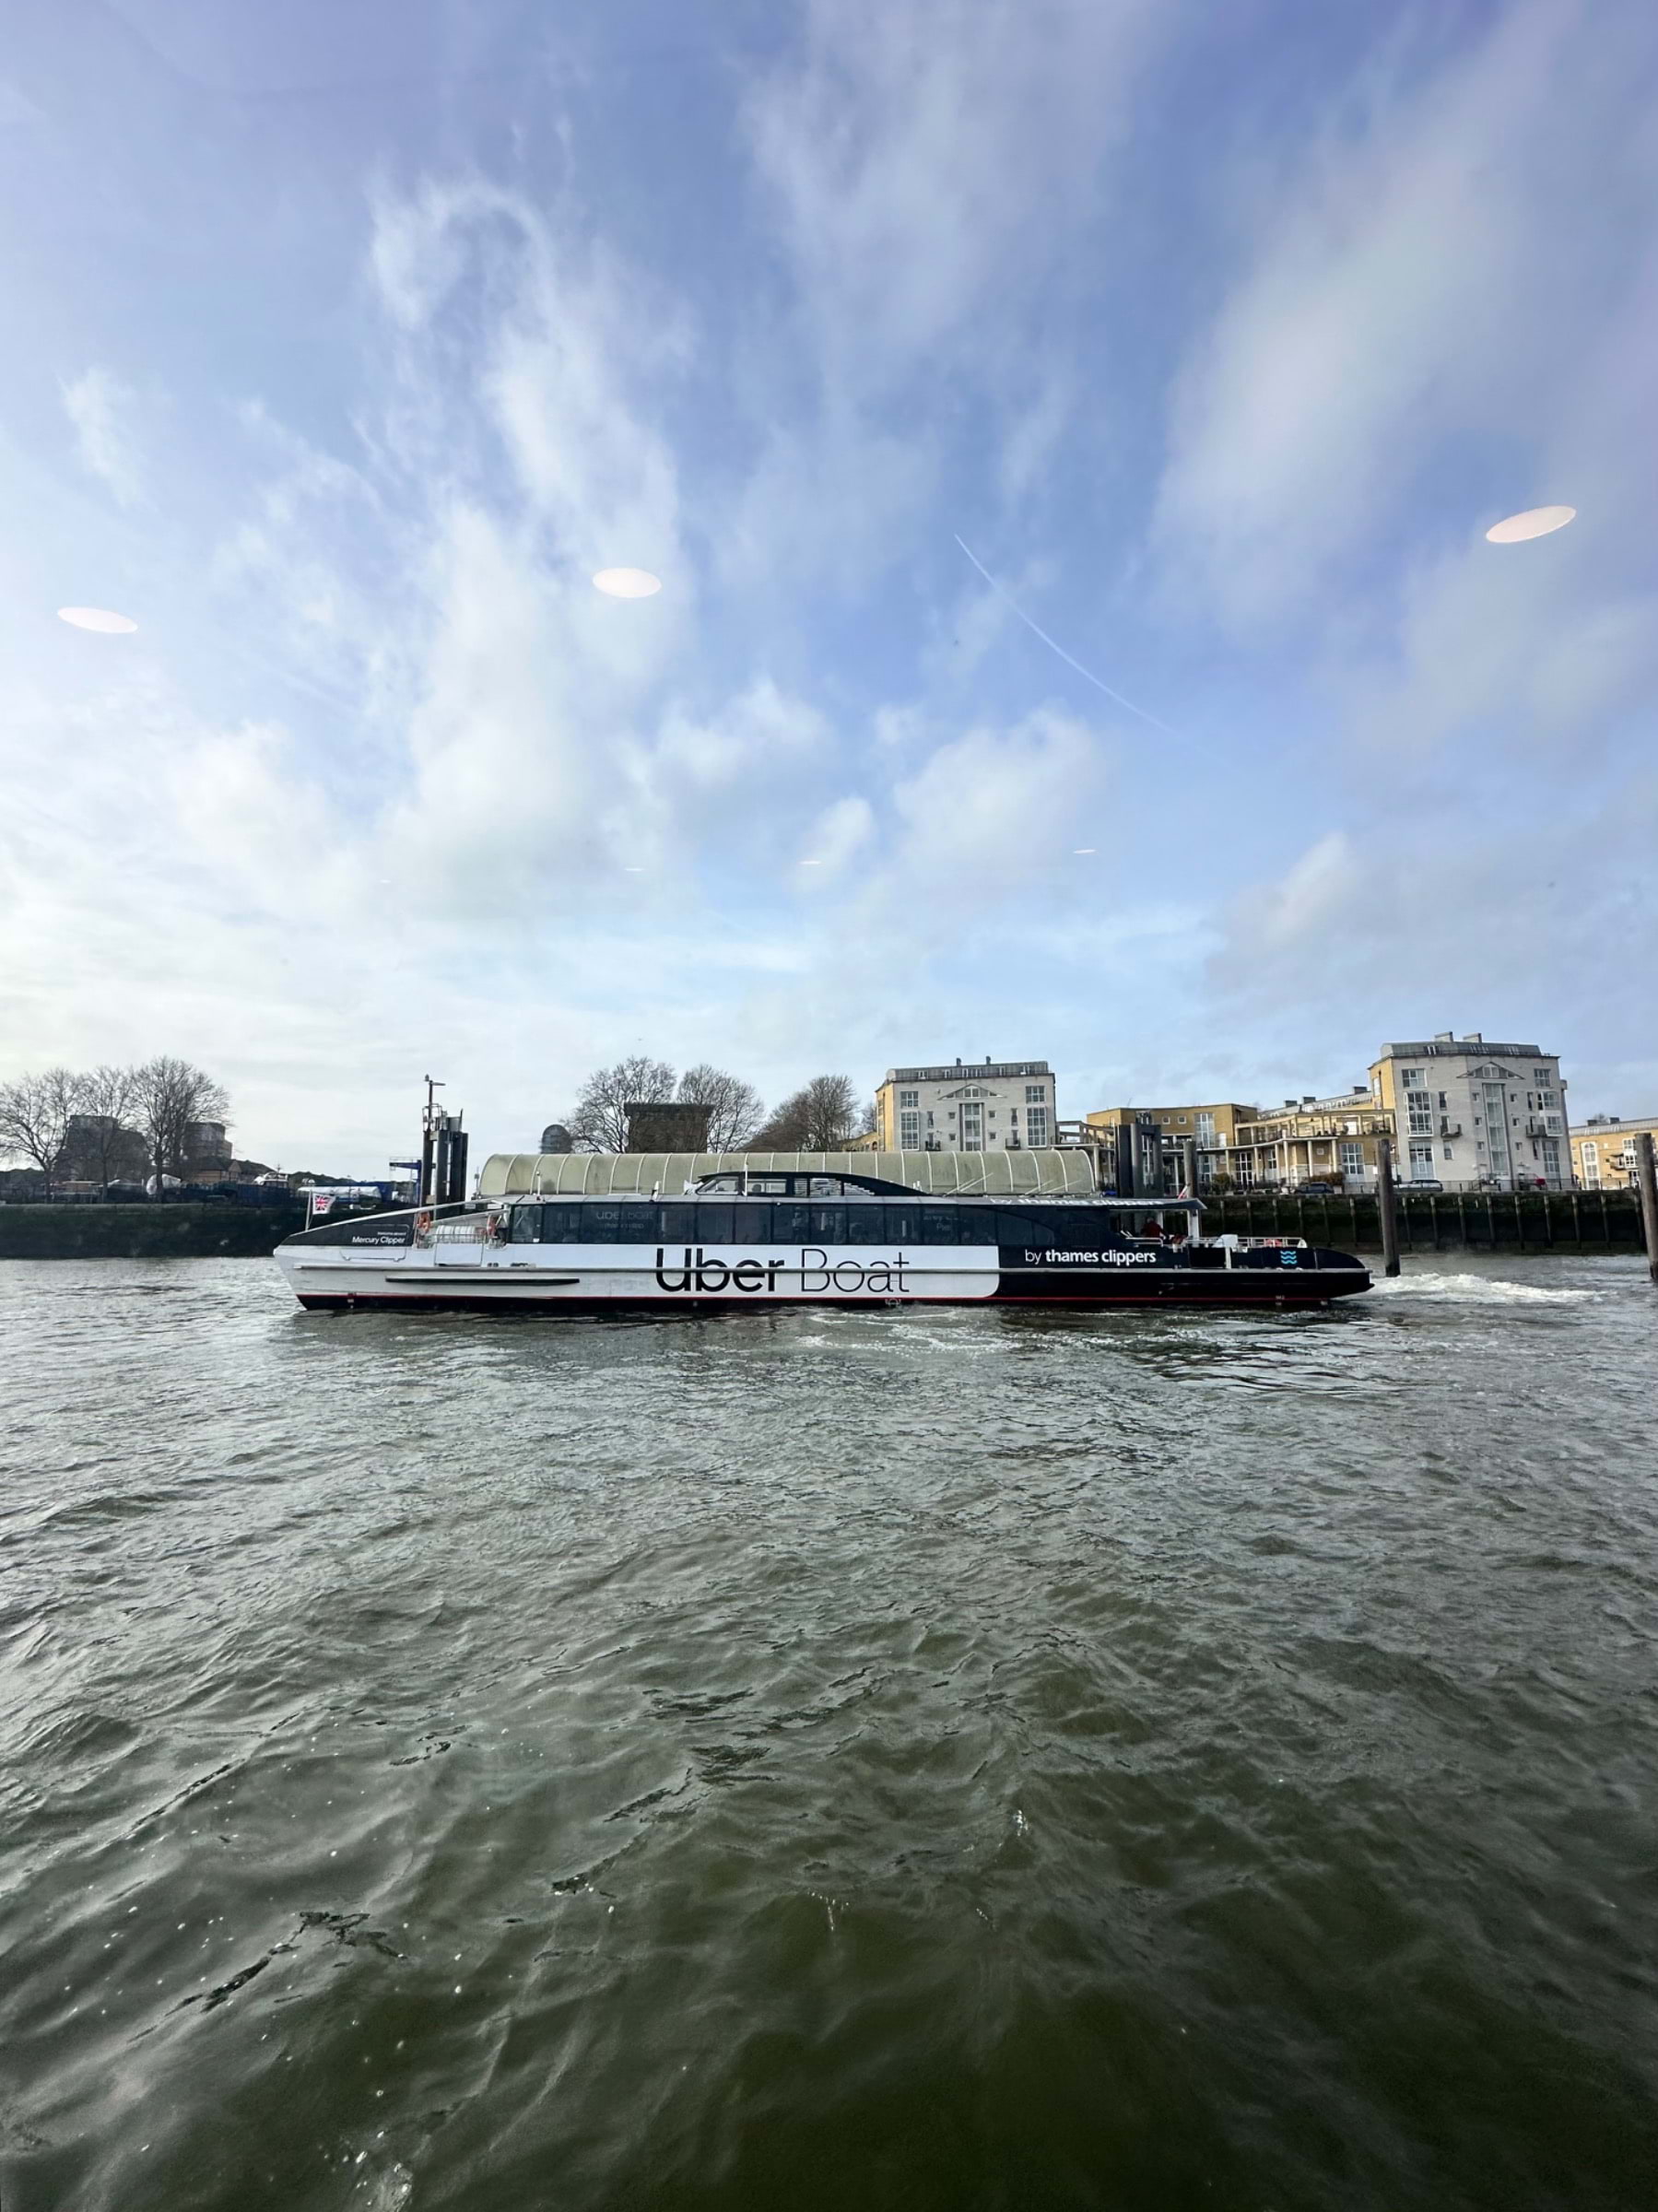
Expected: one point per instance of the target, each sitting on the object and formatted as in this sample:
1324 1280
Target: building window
1035 1094
1421 1114
908 1098
1036 1125
909 1128
1591 1169
1421 1163
1352 1160
1551 1158
1205 1128
1411 1077
1497 1129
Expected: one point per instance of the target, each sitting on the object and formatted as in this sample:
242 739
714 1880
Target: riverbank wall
181 1231
1567 1221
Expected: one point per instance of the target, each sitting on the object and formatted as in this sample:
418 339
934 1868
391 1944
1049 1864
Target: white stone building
974 1106
1476 1116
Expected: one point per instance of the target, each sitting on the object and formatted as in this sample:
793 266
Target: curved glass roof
996 1175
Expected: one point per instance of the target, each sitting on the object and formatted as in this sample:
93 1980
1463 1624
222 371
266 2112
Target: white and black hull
486 1278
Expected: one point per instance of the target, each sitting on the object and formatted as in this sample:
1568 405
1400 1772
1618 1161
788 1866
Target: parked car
1422 1183
1315 1188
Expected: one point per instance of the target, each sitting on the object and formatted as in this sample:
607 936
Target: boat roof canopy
1036 1173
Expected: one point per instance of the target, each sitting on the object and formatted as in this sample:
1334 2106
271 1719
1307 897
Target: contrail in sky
1069 659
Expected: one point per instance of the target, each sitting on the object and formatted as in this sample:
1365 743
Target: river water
948 1760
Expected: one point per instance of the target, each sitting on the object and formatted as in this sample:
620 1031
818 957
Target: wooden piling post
1647 1178
1387 1205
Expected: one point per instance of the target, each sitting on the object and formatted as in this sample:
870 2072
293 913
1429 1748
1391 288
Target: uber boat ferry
747 1238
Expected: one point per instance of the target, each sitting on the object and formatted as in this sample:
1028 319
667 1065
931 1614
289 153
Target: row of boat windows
756 1221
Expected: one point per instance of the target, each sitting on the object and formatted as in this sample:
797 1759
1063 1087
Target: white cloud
1413 926
100 408
915 154
840 833
1425 277
995 808
929 169
1034 434
1319 889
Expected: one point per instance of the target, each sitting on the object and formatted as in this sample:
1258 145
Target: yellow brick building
1213 1129
1310 1139
1602 1149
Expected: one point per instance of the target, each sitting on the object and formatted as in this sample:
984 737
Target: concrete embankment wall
1447 1221
145 1233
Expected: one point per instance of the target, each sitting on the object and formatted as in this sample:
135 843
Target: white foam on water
1475 1289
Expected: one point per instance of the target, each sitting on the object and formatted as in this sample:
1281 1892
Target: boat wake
1475 1289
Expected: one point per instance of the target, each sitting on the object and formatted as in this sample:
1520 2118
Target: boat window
902 1223
636 1225
866 1222
750 1224
713 1222
828 1224
600 1222
790 1223
940 1225
679 1221
526 1224
560 1224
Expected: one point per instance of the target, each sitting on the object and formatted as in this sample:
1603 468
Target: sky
1064 432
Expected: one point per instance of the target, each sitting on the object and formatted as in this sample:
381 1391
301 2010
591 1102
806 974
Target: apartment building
968 1106
1310 1139
1602 1149
1213 1129
1473 1115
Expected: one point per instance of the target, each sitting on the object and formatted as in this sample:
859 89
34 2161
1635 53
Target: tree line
102 1124
819 1117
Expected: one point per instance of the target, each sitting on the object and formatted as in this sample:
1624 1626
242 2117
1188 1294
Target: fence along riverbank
175 1230
1570 1221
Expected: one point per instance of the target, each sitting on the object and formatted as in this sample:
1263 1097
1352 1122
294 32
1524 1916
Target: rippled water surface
930 1760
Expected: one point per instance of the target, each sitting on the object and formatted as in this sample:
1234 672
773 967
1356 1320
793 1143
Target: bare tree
600 1120
784 1128
816 1118
869 1120
34 1118
173 1097
832 1112
101 1140
734 1106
